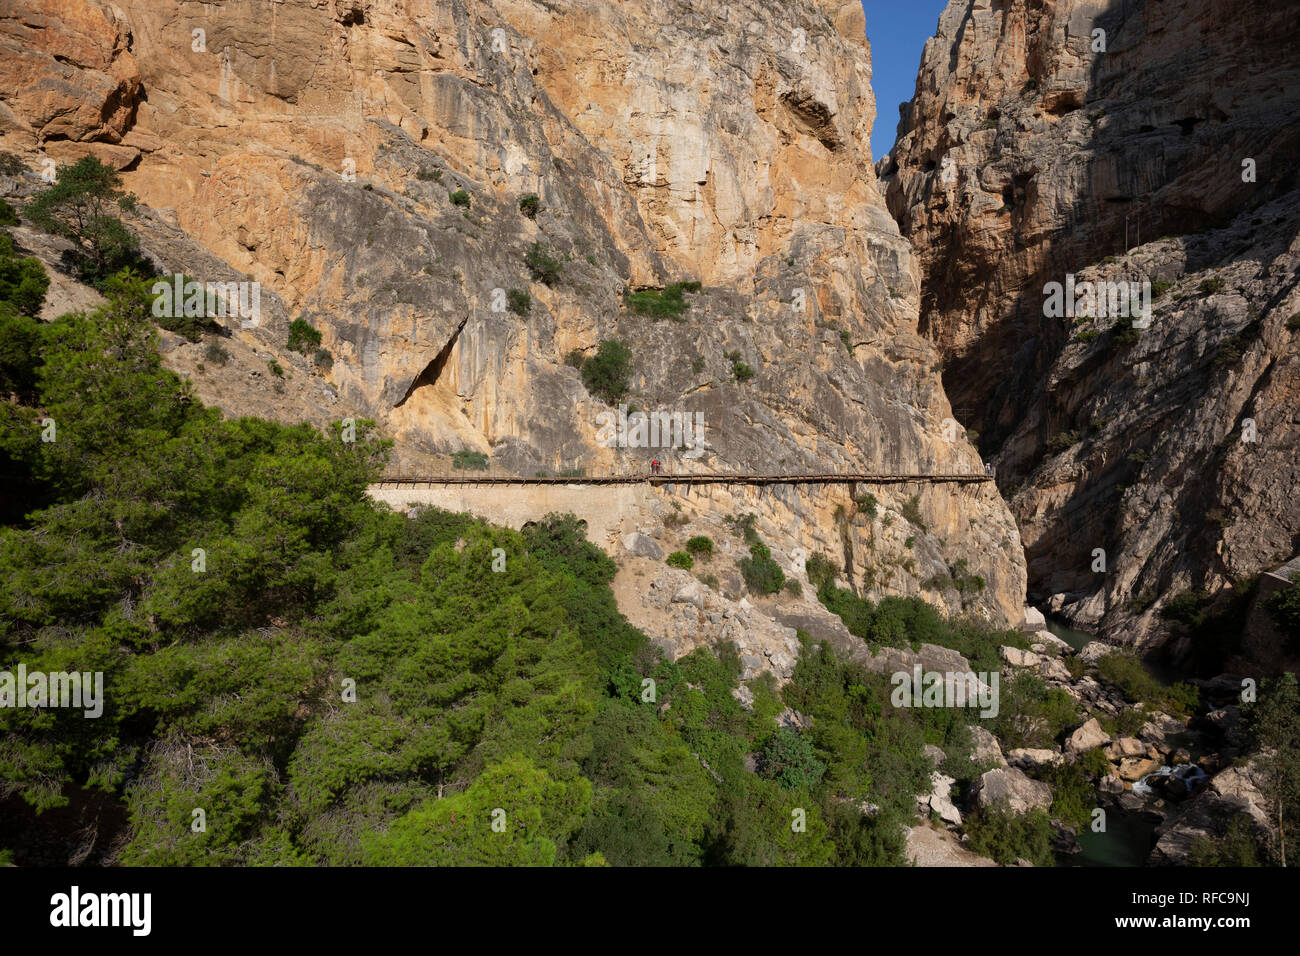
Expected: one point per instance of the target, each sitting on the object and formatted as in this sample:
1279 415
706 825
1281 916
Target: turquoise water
1126 842
1072 636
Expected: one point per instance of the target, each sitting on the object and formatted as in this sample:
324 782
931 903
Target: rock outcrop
365 162
1143 141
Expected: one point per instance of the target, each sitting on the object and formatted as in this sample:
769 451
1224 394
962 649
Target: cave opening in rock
433 371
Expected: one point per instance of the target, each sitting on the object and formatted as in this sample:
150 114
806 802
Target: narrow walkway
418 481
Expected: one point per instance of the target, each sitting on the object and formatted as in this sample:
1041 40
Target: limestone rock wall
1117 141
314 146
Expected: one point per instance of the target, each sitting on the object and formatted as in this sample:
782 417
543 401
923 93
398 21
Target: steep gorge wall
1109 139
725 143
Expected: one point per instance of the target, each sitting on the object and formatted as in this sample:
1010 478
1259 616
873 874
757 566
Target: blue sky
897 31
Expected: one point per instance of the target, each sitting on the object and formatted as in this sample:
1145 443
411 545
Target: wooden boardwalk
426 481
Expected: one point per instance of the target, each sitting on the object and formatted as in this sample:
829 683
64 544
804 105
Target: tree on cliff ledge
79 206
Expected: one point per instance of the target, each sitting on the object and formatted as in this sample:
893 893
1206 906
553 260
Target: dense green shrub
460 198
608 373
23 281
469 460
530 204
821 570
1030 714
1125 672
1006 837
680 559
701 546
303 337
519 302
669 302
542 266
790 759
762 574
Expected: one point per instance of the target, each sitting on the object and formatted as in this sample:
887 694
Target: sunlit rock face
1117 142
316 147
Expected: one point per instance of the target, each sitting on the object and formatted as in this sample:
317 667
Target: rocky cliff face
1119 142
315 147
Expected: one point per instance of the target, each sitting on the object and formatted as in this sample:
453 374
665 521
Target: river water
1128 837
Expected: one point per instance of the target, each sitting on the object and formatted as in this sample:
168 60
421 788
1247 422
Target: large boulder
985 748
1031 759
1133 769
642 546
1094 651
1018 658
939 800
1009 789
1087 737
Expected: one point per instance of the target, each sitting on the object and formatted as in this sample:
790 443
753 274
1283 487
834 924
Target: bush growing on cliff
762 574
608 373
460 198
701 546
667 303
542 266
303 337
912 512
821 570
519 302
469 460
216 353
680 559
530 205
